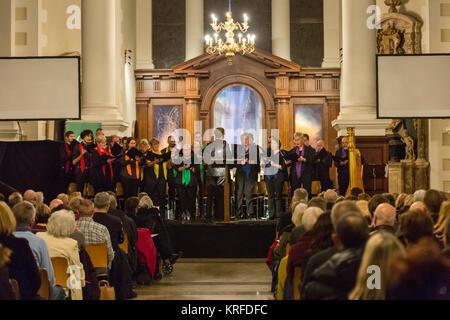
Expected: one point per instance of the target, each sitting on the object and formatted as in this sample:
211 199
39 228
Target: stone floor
212 279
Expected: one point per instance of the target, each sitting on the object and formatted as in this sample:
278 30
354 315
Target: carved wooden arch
217 87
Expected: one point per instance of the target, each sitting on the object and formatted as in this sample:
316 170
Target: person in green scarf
186 181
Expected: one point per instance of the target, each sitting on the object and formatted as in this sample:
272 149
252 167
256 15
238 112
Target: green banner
78 127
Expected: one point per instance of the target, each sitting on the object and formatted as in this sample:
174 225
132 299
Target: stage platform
236 239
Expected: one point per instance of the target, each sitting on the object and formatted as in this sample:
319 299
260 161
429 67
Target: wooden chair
297 280
124 244
99 258
44 290
15 288
60 266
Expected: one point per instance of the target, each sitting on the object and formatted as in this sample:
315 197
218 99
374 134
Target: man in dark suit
215 154
112 223
341 163
246 175
324 161
301 173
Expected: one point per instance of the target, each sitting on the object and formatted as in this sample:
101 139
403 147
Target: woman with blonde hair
381 249
297 217
363 206
22 264
59 229
439 227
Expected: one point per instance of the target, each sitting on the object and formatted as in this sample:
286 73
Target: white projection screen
40 88
413 86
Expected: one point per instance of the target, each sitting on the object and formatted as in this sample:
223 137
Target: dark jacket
130 166
6 292
91 291
130 229
102 172
314 262
22 267
335 279
181 161
323 166
253 158
223 149
308 166
120 276
114 226
269 172
297 253
341 169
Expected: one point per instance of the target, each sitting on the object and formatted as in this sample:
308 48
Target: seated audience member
94 233
74 204
39 198
300 196
65 200
59 228
375 202
390 198
340 198
400 201
284 228
22 265
322 240
113 224
6 291
381 249
439 227
384 218
413 226
42 215
131 206
299 249
25 214
75 194
297 221
337 277
56 205
363 206
148 216
330 197
423 274
130 229
354 193
31 196
419 195
14 198
419 205
433 201
364 196
318 203
142 194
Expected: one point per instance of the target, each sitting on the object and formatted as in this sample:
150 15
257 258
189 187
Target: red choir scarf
104 166
68 157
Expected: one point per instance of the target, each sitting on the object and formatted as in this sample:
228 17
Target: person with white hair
384 218
419 195
330 197
299 249
59 228
113 224
31 196
300 196
297 216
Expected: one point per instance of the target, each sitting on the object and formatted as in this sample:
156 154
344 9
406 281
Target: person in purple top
301 172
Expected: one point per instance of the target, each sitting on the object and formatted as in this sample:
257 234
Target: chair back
15 288
60 266
44 290
296 282
98 254
124 244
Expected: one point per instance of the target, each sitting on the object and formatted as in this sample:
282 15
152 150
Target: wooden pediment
272 65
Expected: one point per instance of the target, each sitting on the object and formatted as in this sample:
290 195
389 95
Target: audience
433 201
423 274
439 227
31 196
446 239
59 228
363 206
300 196
381 249
56 205
297 217
419 195
384 218
414 225
22 265
14 198
65 200
330 196
25 214
375 201
337 276
113 224
318 202
6 291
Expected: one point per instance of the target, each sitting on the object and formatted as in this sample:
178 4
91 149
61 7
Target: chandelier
229 47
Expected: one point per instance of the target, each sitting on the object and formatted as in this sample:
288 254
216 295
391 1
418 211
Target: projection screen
413 86
40 88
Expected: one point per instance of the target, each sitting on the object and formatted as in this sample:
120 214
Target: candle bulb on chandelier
215 37
245 18
240 37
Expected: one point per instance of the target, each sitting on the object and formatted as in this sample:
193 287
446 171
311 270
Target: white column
144 57
194 29
358 80
99 57
9 131
332 33
281 29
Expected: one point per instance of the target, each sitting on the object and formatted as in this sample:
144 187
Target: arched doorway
238 109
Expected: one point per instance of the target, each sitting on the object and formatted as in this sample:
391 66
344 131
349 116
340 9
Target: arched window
238 109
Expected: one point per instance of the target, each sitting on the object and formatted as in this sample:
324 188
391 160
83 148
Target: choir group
182 170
